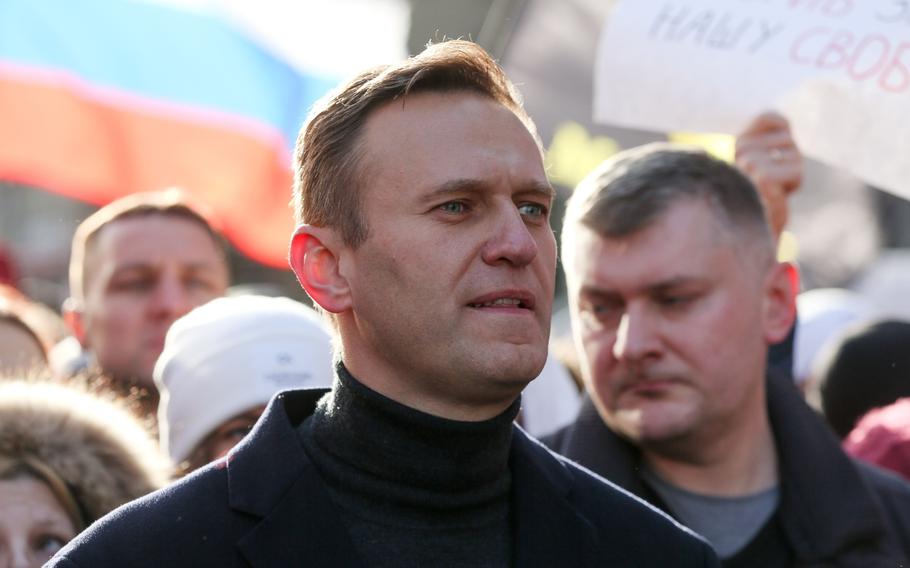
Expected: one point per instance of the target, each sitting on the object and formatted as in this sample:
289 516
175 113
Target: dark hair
868 367
327 185
630 190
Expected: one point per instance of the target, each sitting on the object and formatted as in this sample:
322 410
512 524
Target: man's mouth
504 300
650 386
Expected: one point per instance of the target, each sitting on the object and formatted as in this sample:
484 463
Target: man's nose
511 241
171 298
637 336
19 555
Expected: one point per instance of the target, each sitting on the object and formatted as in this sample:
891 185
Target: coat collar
826 507
270 476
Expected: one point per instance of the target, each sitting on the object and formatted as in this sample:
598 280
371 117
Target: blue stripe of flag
161 52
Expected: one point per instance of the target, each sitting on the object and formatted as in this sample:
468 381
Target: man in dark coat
423 233
675 294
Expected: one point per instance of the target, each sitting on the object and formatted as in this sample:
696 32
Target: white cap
231 355
823 315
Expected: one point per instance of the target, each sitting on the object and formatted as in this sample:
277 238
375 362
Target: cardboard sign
838 69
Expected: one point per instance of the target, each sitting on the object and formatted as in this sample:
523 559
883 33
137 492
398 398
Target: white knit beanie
231 355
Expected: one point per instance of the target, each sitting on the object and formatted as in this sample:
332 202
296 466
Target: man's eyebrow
544 189
676 282
133 267
473 185
661 287
596 293
142 266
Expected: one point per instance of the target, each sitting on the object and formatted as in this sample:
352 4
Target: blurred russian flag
101 98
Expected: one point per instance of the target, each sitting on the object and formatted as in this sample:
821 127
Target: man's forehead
442 140
646 259
143 239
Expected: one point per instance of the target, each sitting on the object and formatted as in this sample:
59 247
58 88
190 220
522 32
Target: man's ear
74 319
314 257
781 288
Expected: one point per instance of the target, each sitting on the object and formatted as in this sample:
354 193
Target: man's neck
424 394
740 461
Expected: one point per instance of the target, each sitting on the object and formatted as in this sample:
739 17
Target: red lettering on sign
896 77
834 54
872 57
862 49
797 49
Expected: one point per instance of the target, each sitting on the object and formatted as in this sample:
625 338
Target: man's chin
644 425
516 363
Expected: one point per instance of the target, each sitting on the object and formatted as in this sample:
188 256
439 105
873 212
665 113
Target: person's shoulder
886 484
626 522
603 499
893 494
160 528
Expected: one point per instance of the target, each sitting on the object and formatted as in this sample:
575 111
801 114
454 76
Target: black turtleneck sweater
413 489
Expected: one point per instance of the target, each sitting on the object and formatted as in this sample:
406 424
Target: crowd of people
418 416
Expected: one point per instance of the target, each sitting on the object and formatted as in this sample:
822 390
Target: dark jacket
266 506
833 511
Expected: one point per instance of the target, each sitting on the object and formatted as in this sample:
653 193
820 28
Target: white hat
231 355
823 314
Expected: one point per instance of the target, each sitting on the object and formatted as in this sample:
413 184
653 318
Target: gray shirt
728 523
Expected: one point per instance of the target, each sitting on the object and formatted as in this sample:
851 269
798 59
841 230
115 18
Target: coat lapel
270 476
302 530
547 529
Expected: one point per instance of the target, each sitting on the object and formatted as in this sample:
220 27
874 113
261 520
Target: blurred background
100 98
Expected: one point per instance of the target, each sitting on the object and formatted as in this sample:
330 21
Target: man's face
671 325
144 273
452 290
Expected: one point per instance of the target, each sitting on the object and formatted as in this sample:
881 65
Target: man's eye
134 284
532 209
454 207
49 544
601 310
675 301
239 432
600 313
199 283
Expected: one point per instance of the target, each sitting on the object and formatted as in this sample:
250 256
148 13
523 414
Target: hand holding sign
838 69
766 152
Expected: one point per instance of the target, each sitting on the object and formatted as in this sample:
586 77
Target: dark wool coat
265 506
833 511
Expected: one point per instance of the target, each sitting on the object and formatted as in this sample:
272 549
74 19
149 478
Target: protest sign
838 69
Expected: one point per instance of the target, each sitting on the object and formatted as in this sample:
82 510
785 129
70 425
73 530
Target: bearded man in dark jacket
675 294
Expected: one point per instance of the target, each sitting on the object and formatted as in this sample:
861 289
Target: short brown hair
170 202
633 188
328 157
